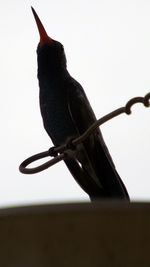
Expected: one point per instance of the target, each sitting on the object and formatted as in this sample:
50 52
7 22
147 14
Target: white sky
107 45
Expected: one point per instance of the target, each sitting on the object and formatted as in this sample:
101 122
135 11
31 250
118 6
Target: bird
67 114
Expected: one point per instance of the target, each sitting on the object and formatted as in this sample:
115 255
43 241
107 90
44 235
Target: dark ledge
93 235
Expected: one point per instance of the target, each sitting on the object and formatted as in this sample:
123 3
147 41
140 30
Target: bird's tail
105 170
84 180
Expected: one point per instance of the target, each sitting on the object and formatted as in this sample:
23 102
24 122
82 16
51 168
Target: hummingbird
67 114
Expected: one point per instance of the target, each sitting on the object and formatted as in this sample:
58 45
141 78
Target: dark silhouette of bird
66 114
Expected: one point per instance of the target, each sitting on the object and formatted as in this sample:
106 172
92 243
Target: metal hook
64 151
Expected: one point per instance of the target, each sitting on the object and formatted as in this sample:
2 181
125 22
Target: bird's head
51 55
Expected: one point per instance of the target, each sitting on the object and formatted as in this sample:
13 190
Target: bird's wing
101 161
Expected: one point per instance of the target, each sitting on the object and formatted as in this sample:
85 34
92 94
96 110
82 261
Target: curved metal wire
64 151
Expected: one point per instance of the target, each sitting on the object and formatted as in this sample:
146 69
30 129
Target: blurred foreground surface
83 234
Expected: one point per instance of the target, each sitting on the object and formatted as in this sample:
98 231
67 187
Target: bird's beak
44 38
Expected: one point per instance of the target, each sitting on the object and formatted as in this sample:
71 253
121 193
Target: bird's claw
52 152
70 145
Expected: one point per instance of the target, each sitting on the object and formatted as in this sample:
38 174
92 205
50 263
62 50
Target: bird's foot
52 152
71 149
70 145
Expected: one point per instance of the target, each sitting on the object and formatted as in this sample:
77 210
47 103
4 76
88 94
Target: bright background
107 44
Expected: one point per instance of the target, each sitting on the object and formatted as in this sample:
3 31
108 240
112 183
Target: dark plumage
66 114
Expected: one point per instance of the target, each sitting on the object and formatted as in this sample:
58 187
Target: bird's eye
62 48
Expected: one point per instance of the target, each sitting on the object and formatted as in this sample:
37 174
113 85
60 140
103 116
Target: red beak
44 38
